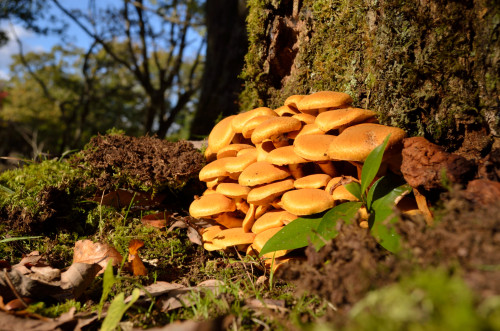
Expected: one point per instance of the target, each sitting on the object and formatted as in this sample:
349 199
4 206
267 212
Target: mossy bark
430 67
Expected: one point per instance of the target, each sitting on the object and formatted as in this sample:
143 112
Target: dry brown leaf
158 220
17 304
79 276
266 303
89 252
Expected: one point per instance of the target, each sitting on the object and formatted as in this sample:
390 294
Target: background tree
172 28
226 47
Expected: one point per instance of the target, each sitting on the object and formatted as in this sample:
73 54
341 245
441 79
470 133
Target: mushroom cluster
268 167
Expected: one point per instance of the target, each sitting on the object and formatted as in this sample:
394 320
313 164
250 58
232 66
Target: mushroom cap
233 190
312 181
284 156
272 219
324 99
339 191
313 147
233 237
242 118
262 172
211 204
273 127
232 150
336 118
306 201
293 100
267 193
356 142
221 135
214 170
309 129
207 236
252 123
305 118
285 111
239 163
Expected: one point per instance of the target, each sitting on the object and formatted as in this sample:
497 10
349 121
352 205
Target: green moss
427 300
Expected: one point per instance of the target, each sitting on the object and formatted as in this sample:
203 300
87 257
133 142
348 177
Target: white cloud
4 75
12 48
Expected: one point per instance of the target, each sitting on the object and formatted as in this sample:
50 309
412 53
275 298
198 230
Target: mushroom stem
242 206
249 219
423 207
296 170
359 168
328 168
261 210
228 221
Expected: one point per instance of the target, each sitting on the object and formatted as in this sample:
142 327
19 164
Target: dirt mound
142 163
465 241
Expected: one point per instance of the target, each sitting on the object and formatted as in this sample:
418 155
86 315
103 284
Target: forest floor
111 200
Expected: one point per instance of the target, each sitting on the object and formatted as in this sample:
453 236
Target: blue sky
35 42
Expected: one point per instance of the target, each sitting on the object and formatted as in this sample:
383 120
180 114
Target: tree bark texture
226 48
431 67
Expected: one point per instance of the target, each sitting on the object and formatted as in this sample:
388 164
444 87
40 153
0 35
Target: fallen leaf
17 304
194 236
266 303
158 220
47 274
79 276
86 251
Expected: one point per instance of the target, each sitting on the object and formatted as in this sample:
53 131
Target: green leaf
372 164
295 234
116 310
381 226
327 229
382 187
355 189
108 281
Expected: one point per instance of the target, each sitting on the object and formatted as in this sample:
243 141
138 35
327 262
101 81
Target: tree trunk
226 48
430 67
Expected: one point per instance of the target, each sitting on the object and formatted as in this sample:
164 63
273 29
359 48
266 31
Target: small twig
13 289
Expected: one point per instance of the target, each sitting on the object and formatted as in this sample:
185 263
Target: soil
465 241
120 161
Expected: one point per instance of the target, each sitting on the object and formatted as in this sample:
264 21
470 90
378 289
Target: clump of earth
122 161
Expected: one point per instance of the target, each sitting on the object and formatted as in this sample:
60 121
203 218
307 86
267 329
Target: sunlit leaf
296 234
355 189
116 310
327 228
382 187
108 280
372 164
381 225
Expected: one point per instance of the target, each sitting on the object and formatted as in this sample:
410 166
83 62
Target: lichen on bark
430 67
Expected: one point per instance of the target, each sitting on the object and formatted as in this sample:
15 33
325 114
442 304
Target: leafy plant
378 199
